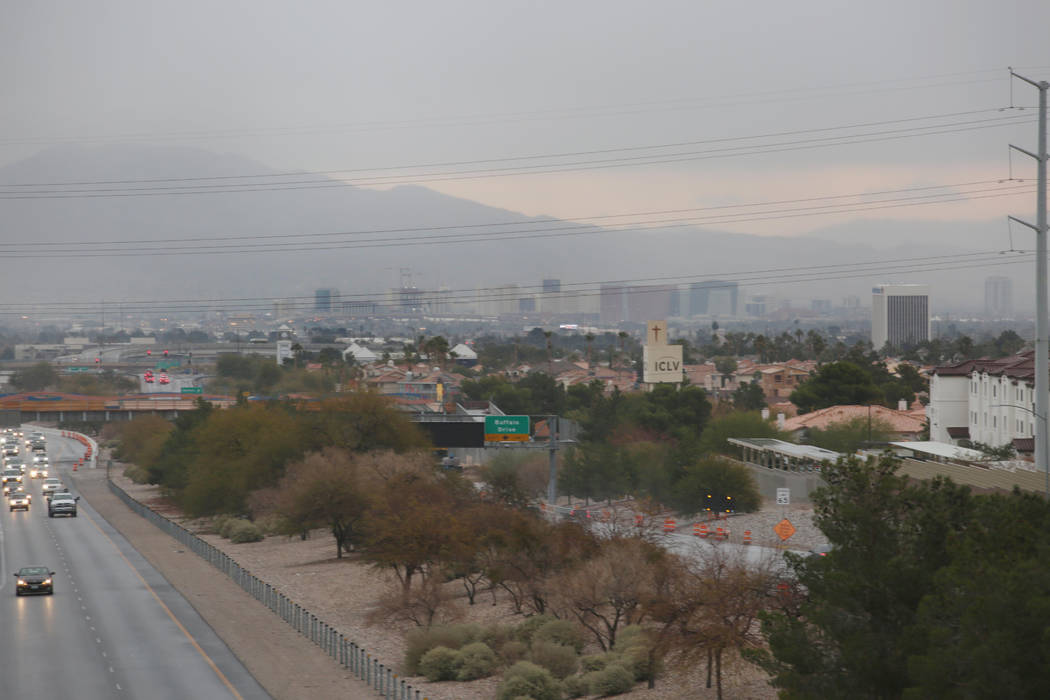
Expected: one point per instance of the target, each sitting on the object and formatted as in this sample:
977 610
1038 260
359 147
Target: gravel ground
343 592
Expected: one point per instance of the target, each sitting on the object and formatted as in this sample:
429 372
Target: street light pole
1042 359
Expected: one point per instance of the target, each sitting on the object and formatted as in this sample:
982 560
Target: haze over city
216 151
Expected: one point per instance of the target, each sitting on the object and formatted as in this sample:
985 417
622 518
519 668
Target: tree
606 592
715 484
707 605
410 524
852 632
142 439
238 450
737 424
361 421
849 436
982 630
749 397
324 489
37 377
834 384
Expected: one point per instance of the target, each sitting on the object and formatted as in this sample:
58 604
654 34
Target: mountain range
171 244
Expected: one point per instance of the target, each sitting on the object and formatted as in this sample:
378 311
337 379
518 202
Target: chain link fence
350 655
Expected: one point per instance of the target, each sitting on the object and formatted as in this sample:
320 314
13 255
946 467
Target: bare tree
606 593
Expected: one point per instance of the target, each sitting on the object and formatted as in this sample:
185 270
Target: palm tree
590 344
550 352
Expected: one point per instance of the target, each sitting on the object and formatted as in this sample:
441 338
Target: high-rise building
900 314
323 300
998 297
551 286
713 298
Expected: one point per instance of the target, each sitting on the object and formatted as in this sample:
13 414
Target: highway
114 628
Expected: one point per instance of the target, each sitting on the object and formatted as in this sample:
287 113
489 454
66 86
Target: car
163 379
13 486
148 377
61 492
16 464
51 485
19 500
62 504
11 450
38 471
34 579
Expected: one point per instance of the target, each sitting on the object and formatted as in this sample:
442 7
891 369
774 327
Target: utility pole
1042 360
552 480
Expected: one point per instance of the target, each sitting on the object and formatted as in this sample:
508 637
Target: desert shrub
245 531
560 660
513 651
560 632
495 636
419 642
577 686
632 652
476 660
594 662
439 664
219 523
526 629
137 474
612 680
525 679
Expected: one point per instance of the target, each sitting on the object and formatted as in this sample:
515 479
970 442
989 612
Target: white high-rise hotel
900 314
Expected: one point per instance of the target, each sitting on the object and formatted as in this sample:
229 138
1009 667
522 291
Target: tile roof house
903 424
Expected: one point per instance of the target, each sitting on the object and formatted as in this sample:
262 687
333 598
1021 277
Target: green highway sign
191 390
73 370
506 428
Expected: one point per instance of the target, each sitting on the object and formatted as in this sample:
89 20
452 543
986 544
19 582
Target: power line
576 112
538 169
568 154
531 234
533 222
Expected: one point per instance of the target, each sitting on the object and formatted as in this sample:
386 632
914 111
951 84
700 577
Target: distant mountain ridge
501 257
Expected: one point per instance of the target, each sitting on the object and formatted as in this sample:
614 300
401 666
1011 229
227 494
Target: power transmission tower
1042 358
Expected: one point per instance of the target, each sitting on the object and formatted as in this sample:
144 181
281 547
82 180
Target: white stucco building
988 401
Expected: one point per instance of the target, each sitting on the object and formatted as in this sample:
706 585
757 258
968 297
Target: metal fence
348 654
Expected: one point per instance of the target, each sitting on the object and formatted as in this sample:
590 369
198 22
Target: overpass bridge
46 406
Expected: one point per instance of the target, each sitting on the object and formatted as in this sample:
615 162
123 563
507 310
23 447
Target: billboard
662 363
284 351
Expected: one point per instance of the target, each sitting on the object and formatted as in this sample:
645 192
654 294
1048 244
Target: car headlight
21 582
47 582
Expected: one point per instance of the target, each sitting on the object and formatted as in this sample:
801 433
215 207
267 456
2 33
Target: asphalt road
114 627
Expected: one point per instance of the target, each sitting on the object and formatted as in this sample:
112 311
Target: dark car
34 579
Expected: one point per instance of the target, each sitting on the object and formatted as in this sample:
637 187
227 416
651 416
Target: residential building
904 423
986 401
900 315
998 297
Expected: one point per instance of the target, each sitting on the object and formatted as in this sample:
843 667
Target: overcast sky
334 85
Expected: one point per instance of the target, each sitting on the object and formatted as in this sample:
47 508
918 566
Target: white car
51 485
